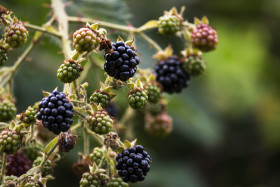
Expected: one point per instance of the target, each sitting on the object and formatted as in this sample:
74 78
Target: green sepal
196 21
129 42
46 94
120 39
94 26
120 149
139 84
133 143
12 125
127 144
131 85
205 20
51 144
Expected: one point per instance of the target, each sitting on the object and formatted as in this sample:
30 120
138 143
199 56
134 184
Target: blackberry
204 38
10 141
15 34
33 152
66 141
86 39
112 109
133 164
3 56
154 92
122 62
29 116
168 24
17 164
33 183
7 111
137 98
111 140
170 75
97 156
56 112
155 108
90 180
194 65
117 182
47 168
69 71
99 97
100 122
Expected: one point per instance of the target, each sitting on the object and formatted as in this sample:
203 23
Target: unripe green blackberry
97 156
33 152
194 65
15 34
100 122
3 56
99 97
33 183
86 39
69 71
29 116
168 24
7 110
155 108
47 168
154 92
93 180
10 141
137 98
117 182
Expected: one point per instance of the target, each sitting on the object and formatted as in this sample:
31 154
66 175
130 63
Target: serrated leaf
51 144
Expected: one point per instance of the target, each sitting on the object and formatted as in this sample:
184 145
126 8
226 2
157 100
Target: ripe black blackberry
133 164
7 110
17 164
15 34
10 141
90 180
170 75
100 97
3 56
122 62
117 182
56 112
47 168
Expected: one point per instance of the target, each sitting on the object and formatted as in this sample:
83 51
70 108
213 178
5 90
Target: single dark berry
47 168
170 74
69 71
56 112
17 164
112 109
7 110
86 40
32 152
97 156
204 38
66 141
33 183
117 182
100 122
155 108
10 141
194 65
122 62
137 98
154 92
90 180
168 24
29 116
133 164
15 34
99 97
3 56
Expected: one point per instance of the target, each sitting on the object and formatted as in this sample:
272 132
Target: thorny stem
2 179
99 138
46 157
43 29
86 140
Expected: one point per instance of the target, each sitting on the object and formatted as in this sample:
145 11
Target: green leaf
127 144
51 145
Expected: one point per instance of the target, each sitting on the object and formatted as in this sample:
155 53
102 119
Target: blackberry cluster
86 40
170 75
90 180
3 56
122 62
29 116
7 111
33 183
133 164
47 168
204 38
69 71
137 98
15 34
99 97
10 141
17 164
194 65
100 122
56 112
97 156
168 24
112 109
154 92
117 182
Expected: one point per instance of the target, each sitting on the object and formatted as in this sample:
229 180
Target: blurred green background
226 124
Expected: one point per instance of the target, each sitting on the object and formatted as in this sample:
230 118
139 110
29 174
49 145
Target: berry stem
97 137
43 29
46 156
125 119
2 176
86 140
150 41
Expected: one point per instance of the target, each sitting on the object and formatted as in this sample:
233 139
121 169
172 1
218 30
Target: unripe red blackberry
137 98
7 110
168 24
133 164
66 141
154 92
10 141
170 75
17 164
117 182
97 156
122 62
47 168
86 39
100 122
15 34
3 56
90 180
33 183
69 71
194 65
29 116
99 97
204 38
56 112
